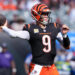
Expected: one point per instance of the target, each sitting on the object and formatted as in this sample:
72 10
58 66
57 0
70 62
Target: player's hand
5 24
1 27
64 29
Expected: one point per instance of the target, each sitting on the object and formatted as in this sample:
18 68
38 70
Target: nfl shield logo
36 30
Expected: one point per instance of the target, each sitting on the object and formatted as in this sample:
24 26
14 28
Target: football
2 19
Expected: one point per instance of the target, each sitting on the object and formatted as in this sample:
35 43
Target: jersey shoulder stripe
55 25
26 27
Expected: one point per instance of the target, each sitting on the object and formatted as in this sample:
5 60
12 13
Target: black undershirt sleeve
66 42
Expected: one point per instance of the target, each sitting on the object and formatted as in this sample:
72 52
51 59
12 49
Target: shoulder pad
56 25
26 27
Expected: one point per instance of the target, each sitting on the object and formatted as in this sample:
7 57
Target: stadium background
18 12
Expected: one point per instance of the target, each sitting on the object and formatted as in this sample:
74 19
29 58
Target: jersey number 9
46 40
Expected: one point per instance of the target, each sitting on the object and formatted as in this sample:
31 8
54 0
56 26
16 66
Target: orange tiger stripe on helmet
37 10
39 7
35 7
43 8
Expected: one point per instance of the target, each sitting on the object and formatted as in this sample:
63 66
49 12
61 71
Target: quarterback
42 36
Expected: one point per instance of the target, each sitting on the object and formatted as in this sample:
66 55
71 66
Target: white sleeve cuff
4 27
11 32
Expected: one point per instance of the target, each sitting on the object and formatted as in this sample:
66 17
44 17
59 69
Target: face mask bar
45 22
50 19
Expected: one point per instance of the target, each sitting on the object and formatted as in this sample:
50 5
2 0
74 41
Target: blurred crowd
62 11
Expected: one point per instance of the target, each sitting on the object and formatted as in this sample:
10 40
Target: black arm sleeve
66 42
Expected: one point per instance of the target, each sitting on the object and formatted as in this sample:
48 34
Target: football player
42 36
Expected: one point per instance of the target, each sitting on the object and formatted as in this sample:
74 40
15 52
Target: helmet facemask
45 18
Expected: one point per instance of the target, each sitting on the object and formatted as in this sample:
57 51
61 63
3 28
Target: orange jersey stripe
55 25
40 7
28 26
44 33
